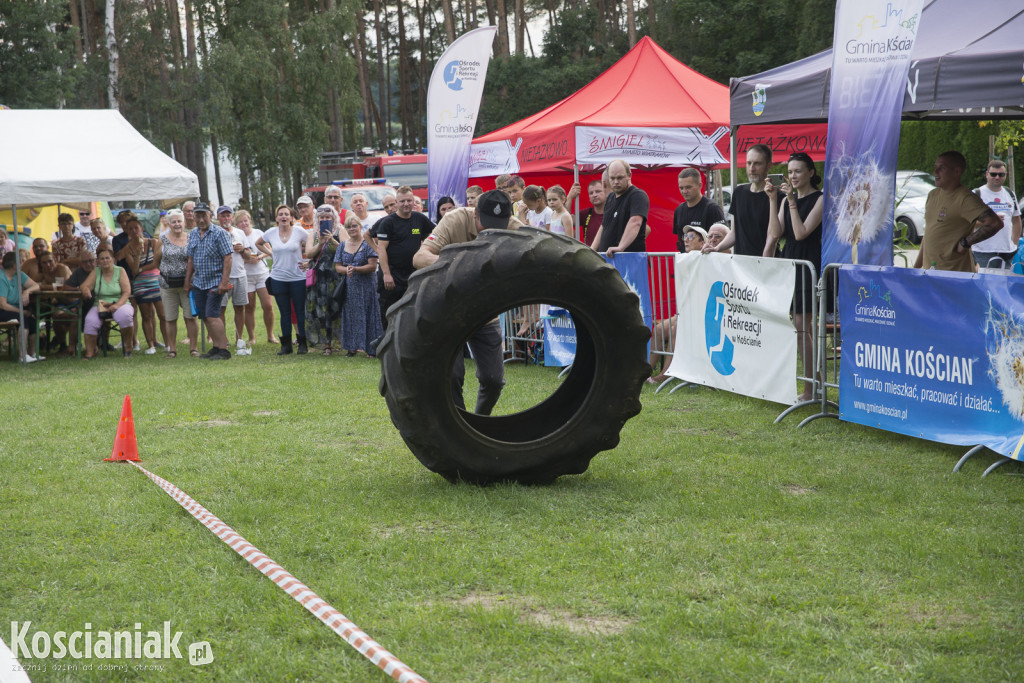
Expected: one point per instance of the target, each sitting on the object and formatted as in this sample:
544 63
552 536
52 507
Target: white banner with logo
494 158
733 331
453 102
675 146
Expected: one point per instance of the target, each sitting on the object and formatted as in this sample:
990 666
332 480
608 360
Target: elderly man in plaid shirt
207 277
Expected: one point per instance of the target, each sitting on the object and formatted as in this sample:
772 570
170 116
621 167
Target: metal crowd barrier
524 334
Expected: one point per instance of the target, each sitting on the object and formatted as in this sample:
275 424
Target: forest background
273 83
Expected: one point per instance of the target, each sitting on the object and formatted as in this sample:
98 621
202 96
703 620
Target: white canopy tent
52 156
65 156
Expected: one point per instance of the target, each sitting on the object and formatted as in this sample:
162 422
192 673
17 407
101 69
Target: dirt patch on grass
796 490
936 618
549 618
214 423
265 413
426 528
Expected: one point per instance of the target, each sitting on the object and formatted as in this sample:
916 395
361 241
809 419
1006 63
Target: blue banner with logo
453 102
559 330
933 354
870 62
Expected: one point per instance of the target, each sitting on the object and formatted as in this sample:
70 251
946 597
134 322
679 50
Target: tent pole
732 166
22 332
576 204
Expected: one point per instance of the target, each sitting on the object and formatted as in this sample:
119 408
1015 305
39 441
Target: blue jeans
287 295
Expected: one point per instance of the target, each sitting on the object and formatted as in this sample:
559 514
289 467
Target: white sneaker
240 344
38 357
243 352
136 347
150 351
160 346
30 359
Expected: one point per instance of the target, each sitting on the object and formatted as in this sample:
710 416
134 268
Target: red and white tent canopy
648 108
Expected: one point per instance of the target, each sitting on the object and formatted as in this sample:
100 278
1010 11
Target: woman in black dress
796 218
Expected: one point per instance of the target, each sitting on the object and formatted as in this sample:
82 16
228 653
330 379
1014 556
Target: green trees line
274 83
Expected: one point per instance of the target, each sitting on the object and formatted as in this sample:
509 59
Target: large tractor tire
468 286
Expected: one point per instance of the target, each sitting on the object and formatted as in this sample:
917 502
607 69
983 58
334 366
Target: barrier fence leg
966 457
994 465
806 270
821 381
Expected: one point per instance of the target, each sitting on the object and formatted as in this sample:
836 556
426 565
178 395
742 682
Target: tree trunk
449 23
243 173
650 16
421 92
492 19
501 47
216 167
383 75
403 75
76 22
112 60
520 23
359 46
631 22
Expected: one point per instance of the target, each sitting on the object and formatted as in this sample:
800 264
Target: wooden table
51 304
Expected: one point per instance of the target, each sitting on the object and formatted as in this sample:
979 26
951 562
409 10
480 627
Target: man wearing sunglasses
998 250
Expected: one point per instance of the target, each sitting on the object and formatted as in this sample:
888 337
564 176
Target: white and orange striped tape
334 619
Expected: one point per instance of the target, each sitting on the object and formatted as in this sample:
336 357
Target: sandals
327 351
171 354
194 353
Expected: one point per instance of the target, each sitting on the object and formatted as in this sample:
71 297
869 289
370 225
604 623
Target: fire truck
394 170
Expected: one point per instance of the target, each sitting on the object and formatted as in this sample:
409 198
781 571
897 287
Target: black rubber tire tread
469 285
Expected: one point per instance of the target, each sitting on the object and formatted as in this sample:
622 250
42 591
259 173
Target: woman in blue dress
360 313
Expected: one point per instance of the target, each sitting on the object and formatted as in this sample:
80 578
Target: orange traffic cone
125 446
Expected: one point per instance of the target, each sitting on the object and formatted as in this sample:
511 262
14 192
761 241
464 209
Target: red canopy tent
648 108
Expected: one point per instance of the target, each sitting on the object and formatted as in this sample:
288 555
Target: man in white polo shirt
997 251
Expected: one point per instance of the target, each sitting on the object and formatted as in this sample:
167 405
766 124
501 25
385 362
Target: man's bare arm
425 256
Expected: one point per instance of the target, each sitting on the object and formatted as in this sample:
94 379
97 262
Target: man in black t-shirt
750 209
624 227
696 209
398 238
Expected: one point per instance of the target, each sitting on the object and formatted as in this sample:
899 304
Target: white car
912 188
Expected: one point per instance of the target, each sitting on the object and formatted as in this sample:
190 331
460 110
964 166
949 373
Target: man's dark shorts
207 302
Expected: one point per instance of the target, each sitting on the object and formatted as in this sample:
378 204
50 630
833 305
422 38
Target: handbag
311 273
340 290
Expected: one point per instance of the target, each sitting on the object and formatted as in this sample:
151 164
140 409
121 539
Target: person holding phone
796 216
323 314
750 209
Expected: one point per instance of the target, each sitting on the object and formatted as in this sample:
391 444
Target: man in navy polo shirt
207 277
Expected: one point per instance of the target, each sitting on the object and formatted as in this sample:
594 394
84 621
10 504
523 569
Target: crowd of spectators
333 272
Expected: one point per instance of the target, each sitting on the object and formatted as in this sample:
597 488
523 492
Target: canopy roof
648 108
967 63
67 156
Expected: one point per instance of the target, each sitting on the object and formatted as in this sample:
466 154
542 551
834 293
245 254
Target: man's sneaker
30 359
151 350
243 352
208 354
220 354
136 347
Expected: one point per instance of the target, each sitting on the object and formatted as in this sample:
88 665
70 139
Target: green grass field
710 545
